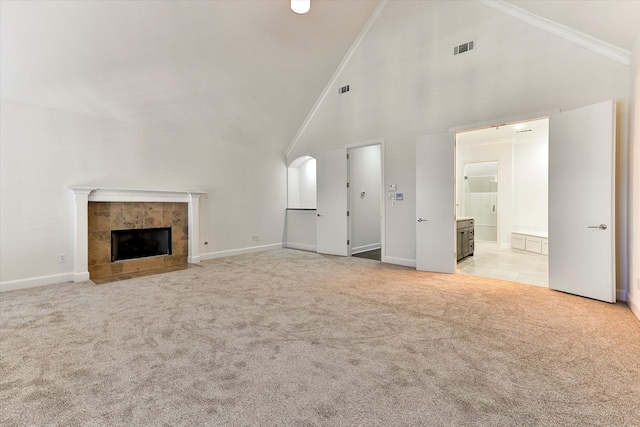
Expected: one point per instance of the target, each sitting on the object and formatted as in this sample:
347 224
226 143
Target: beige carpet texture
292 338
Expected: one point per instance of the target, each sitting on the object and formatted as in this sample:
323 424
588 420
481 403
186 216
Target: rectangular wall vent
465 47
343 89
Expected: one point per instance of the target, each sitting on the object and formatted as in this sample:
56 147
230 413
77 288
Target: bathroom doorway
502 175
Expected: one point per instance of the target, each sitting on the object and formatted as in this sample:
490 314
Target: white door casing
582 201
435 203
332 206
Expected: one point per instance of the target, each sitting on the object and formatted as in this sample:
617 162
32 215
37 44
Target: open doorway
502 175
365 192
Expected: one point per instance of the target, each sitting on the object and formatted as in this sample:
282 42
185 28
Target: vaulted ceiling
243 71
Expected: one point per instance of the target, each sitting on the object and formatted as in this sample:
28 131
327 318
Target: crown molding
334 78
596 45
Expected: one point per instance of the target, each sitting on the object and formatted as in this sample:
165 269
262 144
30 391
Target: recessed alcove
301 183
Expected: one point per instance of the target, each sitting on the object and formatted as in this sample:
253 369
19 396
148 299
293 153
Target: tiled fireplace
106 217
98 211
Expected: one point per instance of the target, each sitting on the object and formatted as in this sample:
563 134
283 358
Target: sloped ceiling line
608 50
596 45
334 78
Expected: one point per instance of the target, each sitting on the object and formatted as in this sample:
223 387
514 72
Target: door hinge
348 242
347 213
347 156
347 185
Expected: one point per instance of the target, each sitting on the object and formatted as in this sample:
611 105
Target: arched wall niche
301 183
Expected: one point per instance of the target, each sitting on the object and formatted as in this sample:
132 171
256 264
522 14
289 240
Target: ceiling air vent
465 47
343 89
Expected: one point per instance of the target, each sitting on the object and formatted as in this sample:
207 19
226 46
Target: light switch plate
391 187
391 195
399 196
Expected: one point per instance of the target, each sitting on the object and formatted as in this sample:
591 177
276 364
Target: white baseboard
621 295
365 248
400 261
635 308
232 252
505 245
301 246
32 282
81 277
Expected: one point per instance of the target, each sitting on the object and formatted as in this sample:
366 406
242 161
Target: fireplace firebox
140 243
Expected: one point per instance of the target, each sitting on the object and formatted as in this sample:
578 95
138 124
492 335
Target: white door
435 204
331 167
582 202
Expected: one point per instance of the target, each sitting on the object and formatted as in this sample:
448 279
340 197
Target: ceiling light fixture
300 6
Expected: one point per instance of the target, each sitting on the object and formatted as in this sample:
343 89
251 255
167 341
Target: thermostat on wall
399 196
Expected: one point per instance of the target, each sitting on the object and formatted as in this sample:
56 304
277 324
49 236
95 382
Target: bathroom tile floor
513 265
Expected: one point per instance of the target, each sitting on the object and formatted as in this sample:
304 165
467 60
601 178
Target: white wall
44 150
301 230
531 185
502 152
307 176
634 160
365 175
404 81
293 187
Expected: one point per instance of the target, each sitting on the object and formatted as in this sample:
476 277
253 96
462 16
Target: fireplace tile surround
107 216
187 231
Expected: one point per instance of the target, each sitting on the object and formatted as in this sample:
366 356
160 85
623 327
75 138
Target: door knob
319 215
601 226
421 220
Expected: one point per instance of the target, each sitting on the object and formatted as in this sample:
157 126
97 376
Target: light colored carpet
294 338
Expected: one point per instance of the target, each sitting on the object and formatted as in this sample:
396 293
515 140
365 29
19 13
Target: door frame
381 143
498 122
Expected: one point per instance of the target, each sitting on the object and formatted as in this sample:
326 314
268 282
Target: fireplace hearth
94 218
131 237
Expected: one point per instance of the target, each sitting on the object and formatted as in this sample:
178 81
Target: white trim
32 282
621 295
365 248
603 48
233 252
97 194
301 246
634 308
505 120
400 261
329 87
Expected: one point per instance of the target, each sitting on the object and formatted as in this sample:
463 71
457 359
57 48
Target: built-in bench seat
530 241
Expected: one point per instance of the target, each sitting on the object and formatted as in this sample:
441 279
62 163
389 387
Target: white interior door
435 203
332 232
582 202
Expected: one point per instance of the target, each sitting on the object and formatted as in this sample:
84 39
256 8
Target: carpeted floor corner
292 338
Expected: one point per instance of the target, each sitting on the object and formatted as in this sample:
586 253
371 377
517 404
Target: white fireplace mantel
84 195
